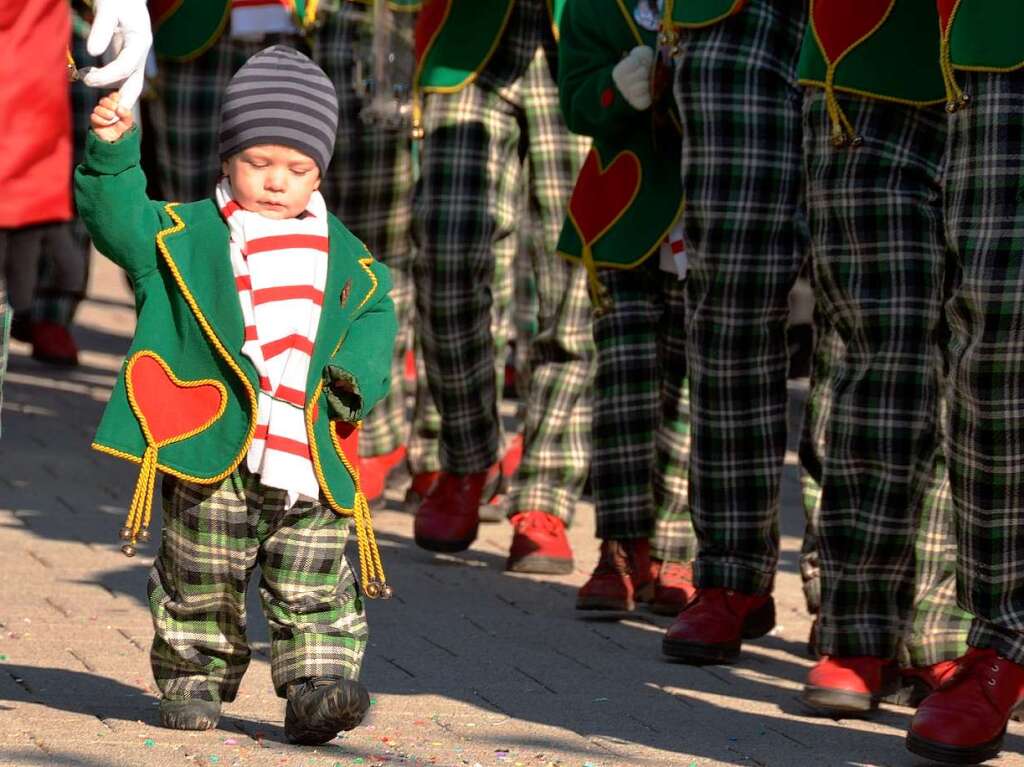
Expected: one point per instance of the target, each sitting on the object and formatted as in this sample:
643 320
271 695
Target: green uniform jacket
184 29
692 14
882 49
628 194
190 320
456 38
984 35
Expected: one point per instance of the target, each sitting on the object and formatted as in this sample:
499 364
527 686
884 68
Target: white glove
129 21
632 77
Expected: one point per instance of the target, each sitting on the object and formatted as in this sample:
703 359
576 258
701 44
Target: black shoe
318 709
189 714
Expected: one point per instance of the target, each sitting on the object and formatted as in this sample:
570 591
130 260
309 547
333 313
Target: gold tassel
371 569
956 99
72 68
843 133
599 296
136 526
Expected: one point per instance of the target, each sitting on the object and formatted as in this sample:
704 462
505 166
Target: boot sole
940 752
664 609
444 547
609 605
758 623
540 566
832 701
347 708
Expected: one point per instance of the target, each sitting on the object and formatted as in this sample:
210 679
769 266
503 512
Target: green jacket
456 38
886 49
184 29
984 35
692 14
628 194
190 319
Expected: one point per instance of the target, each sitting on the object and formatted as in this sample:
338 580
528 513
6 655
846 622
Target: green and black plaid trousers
478 144
213 536
985 222
641 428
739 100
368 184
877 226
936 629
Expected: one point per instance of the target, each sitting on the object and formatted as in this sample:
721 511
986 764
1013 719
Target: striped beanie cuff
280 96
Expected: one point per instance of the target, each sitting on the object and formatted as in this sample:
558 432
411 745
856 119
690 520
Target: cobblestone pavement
467 665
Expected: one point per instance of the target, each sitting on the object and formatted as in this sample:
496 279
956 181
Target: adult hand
129 19
632 76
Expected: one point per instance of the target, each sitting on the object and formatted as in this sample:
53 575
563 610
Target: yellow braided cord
141 508
954 95
371 569
842 129
598 293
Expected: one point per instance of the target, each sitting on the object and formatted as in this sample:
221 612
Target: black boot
189 714
318 709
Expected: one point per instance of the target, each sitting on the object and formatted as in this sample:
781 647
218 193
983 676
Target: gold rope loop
141 508
371 569
599 295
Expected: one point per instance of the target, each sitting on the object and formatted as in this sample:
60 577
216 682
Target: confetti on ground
230 742
3 657
214 758
149 743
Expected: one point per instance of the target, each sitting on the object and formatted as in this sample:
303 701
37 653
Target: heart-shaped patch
168 408
846 23
602 195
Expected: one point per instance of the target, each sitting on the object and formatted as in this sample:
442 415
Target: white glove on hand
129 19
632 76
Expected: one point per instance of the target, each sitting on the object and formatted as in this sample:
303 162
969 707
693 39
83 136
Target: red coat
35 113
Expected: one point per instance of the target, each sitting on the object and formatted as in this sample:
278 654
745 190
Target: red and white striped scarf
280 269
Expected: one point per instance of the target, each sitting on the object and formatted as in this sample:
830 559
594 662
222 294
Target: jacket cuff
112 157
344 401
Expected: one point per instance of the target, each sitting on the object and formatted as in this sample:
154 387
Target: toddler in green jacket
264 336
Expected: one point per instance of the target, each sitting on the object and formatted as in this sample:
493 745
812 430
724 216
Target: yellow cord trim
365 264
955 97
72 69
809 82
670 7
843 132
629 22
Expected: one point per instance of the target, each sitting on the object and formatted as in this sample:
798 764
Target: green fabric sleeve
110 193
591 104
359 375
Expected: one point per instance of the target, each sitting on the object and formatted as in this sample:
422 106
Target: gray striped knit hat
280 97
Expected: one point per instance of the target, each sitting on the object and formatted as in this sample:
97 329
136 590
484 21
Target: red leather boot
850 685
374 472
918 682
622 577
964 721
712 627
539 545
418 489
449 516
673 586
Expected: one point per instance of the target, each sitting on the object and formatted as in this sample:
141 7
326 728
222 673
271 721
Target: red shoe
449 516
622 577
711 628
374 471
918 682
418 489
53 343
539 545
673 587
850 685
964 721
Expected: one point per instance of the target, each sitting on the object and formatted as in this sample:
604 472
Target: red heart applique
602 195
846 23
168 408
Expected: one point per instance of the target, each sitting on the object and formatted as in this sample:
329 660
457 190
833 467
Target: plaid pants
880 251
985 222
938 627
742 178
213 536
477 142
368 184
641 430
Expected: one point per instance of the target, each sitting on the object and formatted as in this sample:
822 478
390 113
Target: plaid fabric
213 536
640 403
986 426
739 100
938 628
877 226
368 184
468 200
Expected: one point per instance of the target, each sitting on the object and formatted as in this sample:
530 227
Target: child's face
274 181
